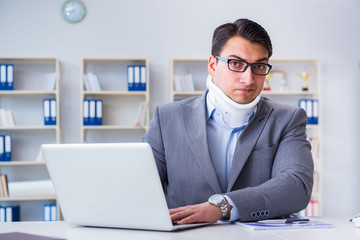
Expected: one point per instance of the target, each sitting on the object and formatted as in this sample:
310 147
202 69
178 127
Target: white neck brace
234 114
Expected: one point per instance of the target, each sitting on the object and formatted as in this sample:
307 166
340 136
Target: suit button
253 215
266 212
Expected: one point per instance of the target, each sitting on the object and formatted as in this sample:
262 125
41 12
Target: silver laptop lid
108 185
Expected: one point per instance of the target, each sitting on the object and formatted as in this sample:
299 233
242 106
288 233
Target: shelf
22 163
117 93
294 93
113 127
26 92
29 198
35 127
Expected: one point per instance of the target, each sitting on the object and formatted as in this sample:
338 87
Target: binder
86 112
2 77
2 214
50 212
130 78
53 212
47 213
142 78
53 111
46 111
316 111
12 214
99 112
2 148
136 78
7 147
309 111
92 110
9 77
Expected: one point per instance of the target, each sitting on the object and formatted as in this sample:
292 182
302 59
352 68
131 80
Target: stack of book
183 83
91 82
4 191
6 118
49 83
6 77
140 117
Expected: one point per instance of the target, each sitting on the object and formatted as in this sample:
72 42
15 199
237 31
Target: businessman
230 153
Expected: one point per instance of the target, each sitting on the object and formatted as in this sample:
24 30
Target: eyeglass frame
246 67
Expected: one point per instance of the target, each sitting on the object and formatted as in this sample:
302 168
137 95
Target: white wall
163 29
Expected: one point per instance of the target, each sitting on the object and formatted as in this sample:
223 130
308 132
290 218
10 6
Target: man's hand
203 212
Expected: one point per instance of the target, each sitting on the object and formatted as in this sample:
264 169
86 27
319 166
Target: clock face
73 11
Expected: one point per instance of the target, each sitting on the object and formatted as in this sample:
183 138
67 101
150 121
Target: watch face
73 11
216 199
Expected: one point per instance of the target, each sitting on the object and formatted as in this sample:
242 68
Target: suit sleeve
154 138
289 187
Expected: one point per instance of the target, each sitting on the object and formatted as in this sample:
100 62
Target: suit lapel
194 119
247 141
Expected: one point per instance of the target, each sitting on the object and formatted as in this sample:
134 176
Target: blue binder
53 111
2 214
86 112
12 213
46 111
130 78
92 111
143 77
2 76
7 147
98 112
9 77
2 148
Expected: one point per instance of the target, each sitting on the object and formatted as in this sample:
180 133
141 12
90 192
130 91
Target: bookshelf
285 84
120 107
182 67
25 102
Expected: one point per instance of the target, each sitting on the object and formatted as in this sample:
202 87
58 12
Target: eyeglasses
237 65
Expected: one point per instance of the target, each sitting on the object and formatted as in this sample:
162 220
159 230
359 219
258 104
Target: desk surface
342 230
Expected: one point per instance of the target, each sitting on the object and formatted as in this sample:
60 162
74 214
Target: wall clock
73 11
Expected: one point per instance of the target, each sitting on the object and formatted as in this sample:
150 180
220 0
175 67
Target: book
140 117
91 82
49 82
4 192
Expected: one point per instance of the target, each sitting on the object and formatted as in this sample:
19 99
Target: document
281 224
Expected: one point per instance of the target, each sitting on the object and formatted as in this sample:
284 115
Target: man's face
241 87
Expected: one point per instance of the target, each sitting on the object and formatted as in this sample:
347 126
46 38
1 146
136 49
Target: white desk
342 230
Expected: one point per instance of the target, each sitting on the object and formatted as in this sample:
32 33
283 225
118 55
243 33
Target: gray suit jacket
272 169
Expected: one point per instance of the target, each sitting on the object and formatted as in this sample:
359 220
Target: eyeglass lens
257 68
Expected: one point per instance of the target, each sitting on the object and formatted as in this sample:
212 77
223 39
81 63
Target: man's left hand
203 212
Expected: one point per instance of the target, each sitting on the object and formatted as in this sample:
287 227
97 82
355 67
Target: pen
283 221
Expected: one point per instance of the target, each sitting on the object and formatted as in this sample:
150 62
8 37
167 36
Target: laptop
113 185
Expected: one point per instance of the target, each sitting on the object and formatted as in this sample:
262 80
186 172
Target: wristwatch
219 201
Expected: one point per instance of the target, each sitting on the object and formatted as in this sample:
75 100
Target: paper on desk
313 223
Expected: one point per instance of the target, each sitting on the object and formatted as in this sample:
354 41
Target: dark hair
242 27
